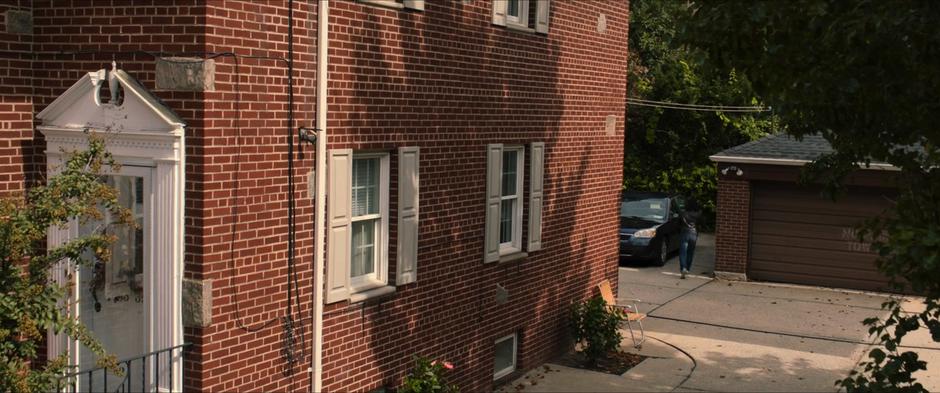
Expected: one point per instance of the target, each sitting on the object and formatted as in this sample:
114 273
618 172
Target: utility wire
697 107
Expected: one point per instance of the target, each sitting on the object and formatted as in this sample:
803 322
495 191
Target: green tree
864 74
30 304
667 149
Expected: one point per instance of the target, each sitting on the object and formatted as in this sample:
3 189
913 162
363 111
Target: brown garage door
799 237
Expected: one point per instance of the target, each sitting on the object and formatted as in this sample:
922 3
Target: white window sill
392 4
373 293
520 29
384 3
515 256
504 373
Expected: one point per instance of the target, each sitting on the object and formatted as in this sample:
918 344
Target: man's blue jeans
687 248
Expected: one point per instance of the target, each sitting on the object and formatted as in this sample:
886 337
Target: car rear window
644 208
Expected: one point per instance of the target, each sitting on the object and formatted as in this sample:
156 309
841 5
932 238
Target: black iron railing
143 373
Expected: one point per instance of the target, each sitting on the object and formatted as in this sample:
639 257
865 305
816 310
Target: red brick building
468 176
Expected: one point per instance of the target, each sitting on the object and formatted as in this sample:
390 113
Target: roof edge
791 162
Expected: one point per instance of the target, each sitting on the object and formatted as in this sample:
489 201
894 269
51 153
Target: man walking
688 236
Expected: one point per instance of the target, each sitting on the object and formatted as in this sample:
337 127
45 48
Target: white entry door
112 297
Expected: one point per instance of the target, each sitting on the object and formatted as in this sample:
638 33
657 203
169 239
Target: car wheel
663 252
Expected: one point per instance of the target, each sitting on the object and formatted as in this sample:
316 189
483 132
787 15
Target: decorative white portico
133 303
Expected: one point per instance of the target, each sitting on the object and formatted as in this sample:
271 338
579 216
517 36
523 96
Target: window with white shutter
494 177
408 202
358 223
503 228
536 180
338 238
523 15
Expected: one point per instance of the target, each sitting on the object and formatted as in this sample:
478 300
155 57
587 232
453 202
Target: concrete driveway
711 335
743 336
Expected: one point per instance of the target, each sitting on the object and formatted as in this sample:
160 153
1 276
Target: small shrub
428 377
596 325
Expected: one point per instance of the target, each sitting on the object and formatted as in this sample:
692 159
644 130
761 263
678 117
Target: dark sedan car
649 226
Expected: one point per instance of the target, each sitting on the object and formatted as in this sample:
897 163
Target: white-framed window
517 14
503 229
417 5
369 221
510 209
504 356
524 15
358 219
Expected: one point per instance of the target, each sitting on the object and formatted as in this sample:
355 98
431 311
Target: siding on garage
799 236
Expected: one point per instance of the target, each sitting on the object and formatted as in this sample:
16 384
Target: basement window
504 362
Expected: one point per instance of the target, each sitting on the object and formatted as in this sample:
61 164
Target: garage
770 227
798 236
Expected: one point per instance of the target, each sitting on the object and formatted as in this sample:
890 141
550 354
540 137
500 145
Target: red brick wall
444 79
236 199
733 225
449 81
17 147
236 188
239 181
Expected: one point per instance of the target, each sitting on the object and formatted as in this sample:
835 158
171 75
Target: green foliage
428 377
667 150
29 301
596 325
699 182
857 72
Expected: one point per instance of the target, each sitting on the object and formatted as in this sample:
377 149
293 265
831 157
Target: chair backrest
606 293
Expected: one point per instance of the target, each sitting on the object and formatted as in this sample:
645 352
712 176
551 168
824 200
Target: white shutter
542 13
407 215
414 4
338 237
499 12
536 177
494 174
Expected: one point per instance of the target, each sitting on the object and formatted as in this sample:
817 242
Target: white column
166 270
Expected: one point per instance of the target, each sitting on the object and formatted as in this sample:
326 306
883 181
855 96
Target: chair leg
642 334
632 336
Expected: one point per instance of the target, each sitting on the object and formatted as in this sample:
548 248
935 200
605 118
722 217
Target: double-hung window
358 220
505 188
510 209
369 203
523 15
520 14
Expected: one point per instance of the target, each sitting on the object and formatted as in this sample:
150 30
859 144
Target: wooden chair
631 312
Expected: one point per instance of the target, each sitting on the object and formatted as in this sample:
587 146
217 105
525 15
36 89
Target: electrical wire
163 56
235 195
697 107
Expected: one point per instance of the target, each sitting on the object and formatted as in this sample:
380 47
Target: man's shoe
682 276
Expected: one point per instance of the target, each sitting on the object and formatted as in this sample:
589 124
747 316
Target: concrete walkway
710 335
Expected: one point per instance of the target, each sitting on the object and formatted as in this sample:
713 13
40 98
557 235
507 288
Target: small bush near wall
594 325
428 377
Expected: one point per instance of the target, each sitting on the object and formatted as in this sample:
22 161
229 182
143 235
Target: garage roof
782 149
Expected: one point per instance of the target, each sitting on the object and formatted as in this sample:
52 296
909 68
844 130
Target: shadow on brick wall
454 85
